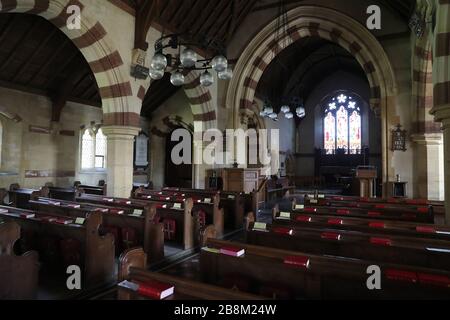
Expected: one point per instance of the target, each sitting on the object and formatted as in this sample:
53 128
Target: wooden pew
233 204
438 206
99 190
389 227
422 214
270 272
19 197
149 233
68 194
95 253
208 203
18 274
164 210
133 268
427 253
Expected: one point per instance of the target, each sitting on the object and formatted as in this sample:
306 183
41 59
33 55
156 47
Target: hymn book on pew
27 215
154 290
284 216
299 207
232 251
259 226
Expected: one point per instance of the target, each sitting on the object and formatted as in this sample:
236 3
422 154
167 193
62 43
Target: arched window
93 149
87 150
100 150
342 124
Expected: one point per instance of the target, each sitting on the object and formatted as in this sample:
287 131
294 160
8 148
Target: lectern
367 176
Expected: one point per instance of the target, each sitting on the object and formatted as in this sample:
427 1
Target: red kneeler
170 229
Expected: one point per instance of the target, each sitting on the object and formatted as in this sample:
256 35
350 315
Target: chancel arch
333 26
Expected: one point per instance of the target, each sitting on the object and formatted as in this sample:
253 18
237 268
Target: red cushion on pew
422 210
281 230
303 218
335 221
401 275
338 198
425 229
310 210
380 206
437 280
343 211
381 241
298 261
331 236
379 225
374 214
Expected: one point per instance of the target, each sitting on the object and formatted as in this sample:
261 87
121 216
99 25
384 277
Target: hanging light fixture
156 74
187 60
206 79
177 79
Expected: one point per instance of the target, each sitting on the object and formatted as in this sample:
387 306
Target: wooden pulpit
367 176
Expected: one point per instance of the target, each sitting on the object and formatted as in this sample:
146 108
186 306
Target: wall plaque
141 151
399 139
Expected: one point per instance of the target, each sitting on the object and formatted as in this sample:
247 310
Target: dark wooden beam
31 58
18 44
60 98
146 12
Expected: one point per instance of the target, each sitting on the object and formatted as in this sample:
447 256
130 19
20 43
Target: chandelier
173 54
289 105
286 109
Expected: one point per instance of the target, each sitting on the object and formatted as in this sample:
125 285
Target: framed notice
141 151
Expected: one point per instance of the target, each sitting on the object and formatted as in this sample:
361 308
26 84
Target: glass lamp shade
219 63
159 62
188 58
273 116
177 79
301 112
206 79
227 74
268 110
289 115
285 109
156 74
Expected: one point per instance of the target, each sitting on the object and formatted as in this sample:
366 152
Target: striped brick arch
441 62
422 87
200 100
308 21
97 48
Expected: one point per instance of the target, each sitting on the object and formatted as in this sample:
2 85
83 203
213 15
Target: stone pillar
441 86
442 114
120 159
429 166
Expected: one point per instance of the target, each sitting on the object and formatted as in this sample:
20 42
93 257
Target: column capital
428 139
442 114
121 131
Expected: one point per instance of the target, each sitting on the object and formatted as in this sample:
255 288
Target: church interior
224 149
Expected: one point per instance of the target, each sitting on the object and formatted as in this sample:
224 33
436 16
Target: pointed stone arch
311 21
98 49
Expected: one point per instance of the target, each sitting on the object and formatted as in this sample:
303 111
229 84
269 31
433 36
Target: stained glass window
329 133
342 125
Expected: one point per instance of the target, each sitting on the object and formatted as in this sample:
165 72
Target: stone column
429 166
120 159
